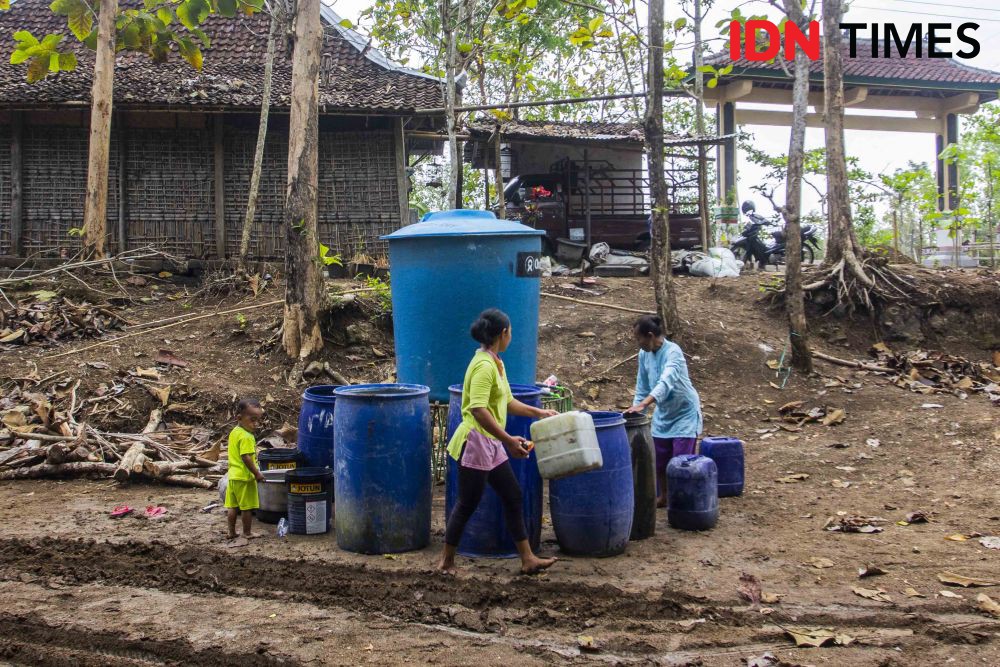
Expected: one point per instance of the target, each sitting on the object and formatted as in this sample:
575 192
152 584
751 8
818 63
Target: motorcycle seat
808 229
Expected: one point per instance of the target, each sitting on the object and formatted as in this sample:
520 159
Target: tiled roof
232 75
583 131
863 66
537 129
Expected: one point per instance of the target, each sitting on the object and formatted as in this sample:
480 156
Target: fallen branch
614 366
598 303
133 463
60 470
189 481
851 364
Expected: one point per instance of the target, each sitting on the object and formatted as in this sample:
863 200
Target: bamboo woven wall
170 190
54 173
267 240
4 189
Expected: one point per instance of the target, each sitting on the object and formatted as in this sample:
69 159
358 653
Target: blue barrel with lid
729 460
382 465
448 268
316 425
486 534
310 500
692 492
592 512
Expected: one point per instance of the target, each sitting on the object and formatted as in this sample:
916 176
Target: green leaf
4 5
707 69
190 52
130 36
595 23
680 23
37 69
66 7
81 23
228 8
165 15
51 41
91 40
346 23
712 83
200 34
726 70
464 48
25 38
67 62
193 12
54 62
19 56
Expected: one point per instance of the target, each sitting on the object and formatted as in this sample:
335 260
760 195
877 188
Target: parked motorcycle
751 247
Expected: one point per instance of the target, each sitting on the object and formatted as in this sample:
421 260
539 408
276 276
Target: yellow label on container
281 466
305 488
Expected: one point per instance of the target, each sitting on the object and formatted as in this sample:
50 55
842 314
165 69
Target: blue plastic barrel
316 425
382 468
486 534
692 492
592 512
446 270
728 456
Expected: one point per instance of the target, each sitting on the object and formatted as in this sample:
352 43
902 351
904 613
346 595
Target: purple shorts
668 448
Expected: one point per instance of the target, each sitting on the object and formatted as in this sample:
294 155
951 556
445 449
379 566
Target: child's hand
260 476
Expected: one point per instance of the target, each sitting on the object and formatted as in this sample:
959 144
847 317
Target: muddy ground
81 588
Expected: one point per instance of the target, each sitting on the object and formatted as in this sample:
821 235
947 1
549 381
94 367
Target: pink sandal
120 511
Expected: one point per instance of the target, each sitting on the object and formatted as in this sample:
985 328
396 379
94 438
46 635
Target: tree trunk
699 123
991 227
301 335
258 156
842 244
95 205
792 210
666 303
450 28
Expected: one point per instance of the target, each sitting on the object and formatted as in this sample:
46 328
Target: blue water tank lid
463 222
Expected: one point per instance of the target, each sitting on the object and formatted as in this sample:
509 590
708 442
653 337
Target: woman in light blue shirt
663 381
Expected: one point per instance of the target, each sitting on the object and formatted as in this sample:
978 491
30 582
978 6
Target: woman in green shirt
481 445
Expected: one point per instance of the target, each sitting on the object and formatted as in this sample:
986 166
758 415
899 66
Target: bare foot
536 565
252 536
447 568
237 543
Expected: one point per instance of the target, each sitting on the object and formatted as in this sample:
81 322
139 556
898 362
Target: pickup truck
619 209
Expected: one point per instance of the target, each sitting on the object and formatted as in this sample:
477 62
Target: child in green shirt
241 491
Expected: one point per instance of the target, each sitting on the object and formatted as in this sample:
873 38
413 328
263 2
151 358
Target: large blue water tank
446 270
486 533
382 468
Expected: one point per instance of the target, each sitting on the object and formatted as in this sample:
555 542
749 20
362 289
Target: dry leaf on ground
749 588
870 571
878 595
953 579
820 563
949 594
792 479
913 593
988 604
957 537
835 417
816 637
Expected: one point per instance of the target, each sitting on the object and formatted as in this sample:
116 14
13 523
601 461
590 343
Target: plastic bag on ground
599 252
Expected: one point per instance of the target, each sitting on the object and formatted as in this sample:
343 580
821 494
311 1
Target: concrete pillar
947 174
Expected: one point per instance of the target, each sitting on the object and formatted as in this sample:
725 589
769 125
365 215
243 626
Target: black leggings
471 484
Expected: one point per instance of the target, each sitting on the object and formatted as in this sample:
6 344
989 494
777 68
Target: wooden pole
122 183
501 203
586 195
220 199
402 180
16 185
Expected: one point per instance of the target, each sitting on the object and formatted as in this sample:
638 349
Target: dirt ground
79 587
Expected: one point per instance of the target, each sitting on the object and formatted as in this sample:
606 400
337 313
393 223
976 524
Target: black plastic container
310 500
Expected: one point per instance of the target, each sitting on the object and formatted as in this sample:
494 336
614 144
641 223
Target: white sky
878 152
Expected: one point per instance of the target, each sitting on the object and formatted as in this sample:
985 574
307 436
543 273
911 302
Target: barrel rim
636 419
605 418
314 394
372 391
309 474
517 389
279 475
279 453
